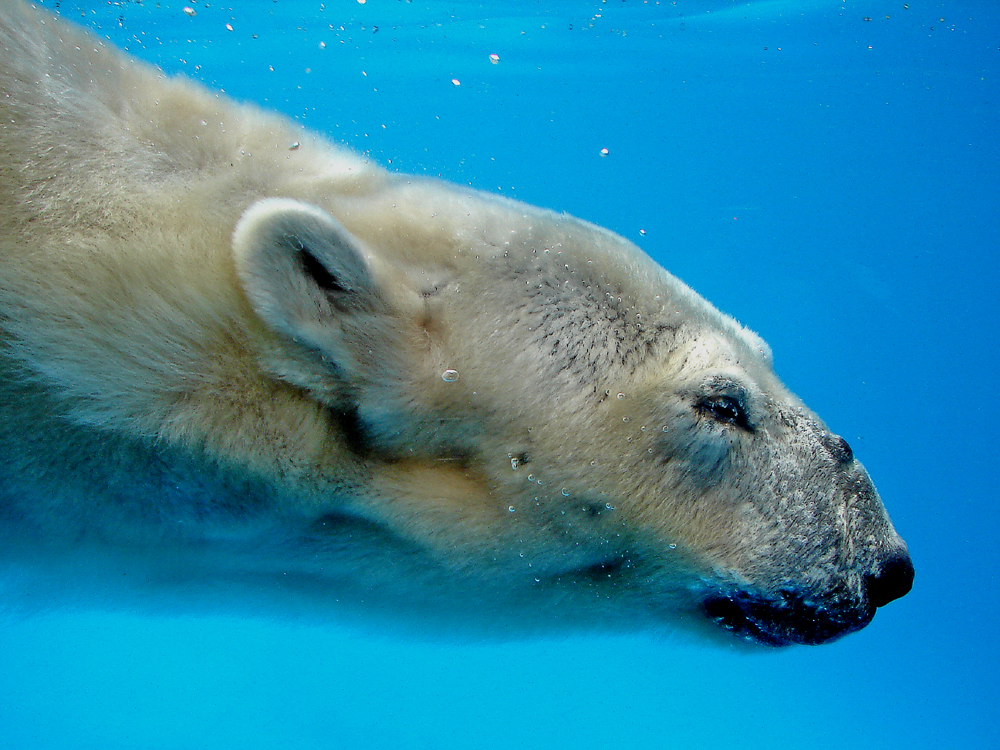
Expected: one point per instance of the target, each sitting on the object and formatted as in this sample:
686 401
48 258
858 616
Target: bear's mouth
783 621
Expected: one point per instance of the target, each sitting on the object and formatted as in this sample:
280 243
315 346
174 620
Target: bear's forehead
527 279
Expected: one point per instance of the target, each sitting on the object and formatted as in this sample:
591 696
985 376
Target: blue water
827 171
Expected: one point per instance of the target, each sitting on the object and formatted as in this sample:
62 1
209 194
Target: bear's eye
725 409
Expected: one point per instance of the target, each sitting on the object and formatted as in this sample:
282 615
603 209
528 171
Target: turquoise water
828 172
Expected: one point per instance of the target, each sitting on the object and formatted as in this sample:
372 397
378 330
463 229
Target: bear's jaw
786 620
792 616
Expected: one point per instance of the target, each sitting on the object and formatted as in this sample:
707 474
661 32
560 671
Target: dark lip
782 621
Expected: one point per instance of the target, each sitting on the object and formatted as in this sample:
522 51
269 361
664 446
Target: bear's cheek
784 531
460 514
730 499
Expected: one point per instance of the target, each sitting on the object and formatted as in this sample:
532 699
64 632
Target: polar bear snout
794 616
894 579
837 447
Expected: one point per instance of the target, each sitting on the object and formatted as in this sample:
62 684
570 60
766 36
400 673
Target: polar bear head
536 406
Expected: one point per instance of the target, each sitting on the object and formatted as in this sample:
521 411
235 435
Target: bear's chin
786 621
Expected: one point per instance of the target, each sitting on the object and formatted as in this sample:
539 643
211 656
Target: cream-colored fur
227 358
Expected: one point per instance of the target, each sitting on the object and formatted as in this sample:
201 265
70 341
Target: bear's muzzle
792 617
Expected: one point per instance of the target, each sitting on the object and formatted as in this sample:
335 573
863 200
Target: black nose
893 581
839 448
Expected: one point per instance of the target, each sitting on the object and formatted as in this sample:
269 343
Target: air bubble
514 463
510 508
625 419
494 58
190 12
621 396
565 492
672 546
449 375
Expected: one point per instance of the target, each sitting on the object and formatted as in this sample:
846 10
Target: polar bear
232 352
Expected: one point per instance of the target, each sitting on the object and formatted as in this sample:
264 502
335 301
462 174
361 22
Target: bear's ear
310 279
297 264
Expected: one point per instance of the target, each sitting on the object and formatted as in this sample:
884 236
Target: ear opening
321 274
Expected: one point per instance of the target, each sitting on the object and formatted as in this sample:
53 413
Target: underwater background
827 171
